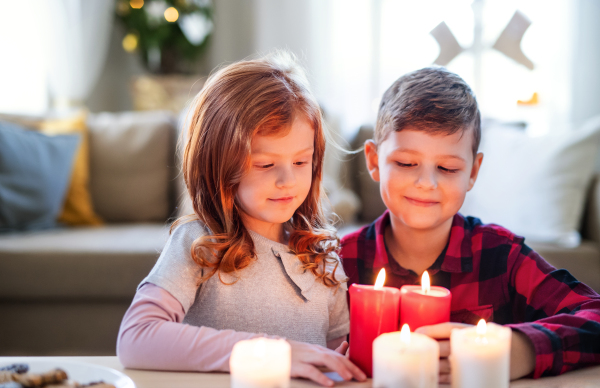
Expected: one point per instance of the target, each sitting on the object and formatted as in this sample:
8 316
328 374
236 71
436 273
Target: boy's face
423 177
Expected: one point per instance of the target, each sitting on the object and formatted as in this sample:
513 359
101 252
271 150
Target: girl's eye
404 164
449 170
265 165
300 163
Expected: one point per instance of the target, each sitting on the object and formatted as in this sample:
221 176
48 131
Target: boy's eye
300 163
264 165
449 170
404 164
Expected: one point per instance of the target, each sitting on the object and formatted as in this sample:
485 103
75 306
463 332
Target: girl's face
279 179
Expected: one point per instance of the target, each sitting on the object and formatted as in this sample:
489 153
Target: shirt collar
456 257
303 279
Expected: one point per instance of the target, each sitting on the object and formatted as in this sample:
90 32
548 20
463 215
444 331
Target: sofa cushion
535 186
131 163
34 176
105 262
357 178
78 208
582 262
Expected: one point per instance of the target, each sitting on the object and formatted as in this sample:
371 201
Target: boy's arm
559 315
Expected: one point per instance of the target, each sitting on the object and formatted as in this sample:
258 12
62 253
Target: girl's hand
306 359
441 332
339 344
343 348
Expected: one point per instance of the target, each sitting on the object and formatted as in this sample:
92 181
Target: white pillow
535 186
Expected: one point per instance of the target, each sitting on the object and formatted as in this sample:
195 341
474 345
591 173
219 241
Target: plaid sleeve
349 256
560 315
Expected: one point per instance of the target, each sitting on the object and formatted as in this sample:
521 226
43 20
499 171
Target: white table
583 378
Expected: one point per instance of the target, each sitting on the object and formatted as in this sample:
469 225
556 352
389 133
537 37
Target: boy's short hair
431 99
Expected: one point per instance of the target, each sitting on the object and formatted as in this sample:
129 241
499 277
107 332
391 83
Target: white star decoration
508 43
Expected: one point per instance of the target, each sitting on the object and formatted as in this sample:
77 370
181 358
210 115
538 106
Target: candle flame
380 279
405 334
425 283
481 327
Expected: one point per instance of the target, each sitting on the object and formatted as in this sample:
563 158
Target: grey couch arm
591 219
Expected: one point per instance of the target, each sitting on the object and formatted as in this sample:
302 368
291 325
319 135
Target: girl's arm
559 315
152 336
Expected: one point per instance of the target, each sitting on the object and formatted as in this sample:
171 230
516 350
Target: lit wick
405 334
481 330
380 280
425 283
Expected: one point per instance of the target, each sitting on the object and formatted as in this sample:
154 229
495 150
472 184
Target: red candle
424 305
374 310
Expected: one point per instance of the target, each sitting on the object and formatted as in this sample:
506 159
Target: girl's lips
282 200
418 202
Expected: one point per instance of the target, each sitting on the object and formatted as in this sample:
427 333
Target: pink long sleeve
152 336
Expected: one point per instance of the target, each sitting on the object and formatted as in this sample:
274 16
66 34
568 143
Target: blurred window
23 82
374 42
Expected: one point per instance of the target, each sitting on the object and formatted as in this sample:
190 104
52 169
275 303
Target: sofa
64 291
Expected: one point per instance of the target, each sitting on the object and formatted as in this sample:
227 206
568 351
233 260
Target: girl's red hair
262 95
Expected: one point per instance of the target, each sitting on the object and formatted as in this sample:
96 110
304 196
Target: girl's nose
285 177
426 179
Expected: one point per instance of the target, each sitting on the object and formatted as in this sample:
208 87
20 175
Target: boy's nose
285 177
426 179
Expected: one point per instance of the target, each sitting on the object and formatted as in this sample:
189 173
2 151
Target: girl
258 256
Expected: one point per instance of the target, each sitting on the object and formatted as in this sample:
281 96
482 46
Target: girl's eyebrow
306 150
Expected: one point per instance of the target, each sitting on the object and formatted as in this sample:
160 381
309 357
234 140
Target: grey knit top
271 296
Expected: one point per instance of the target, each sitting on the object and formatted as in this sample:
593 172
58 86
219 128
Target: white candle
480 356
405 359
261 363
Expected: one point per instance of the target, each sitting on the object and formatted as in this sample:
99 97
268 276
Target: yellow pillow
78 208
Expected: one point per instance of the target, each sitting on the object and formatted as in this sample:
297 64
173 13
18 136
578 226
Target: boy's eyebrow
409 151
306 150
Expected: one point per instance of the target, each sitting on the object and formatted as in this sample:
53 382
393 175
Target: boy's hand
522 355
306 358
441 332
522 352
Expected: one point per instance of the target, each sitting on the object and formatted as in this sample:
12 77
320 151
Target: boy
424 154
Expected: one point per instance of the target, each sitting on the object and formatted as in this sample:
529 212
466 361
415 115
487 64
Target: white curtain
77 34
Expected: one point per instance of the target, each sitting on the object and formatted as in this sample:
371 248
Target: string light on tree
171 14
136 4
130 42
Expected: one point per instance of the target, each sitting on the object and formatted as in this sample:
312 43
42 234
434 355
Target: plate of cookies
63 374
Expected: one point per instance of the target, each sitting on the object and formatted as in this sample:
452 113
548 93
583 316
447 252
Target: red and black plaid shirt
493 275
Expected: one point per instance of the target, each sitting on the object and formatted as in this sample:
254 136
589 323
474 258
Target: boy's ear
475 170
372 159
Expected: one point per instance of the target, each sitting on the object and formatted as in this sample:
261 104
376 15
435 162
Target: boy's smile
423 177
